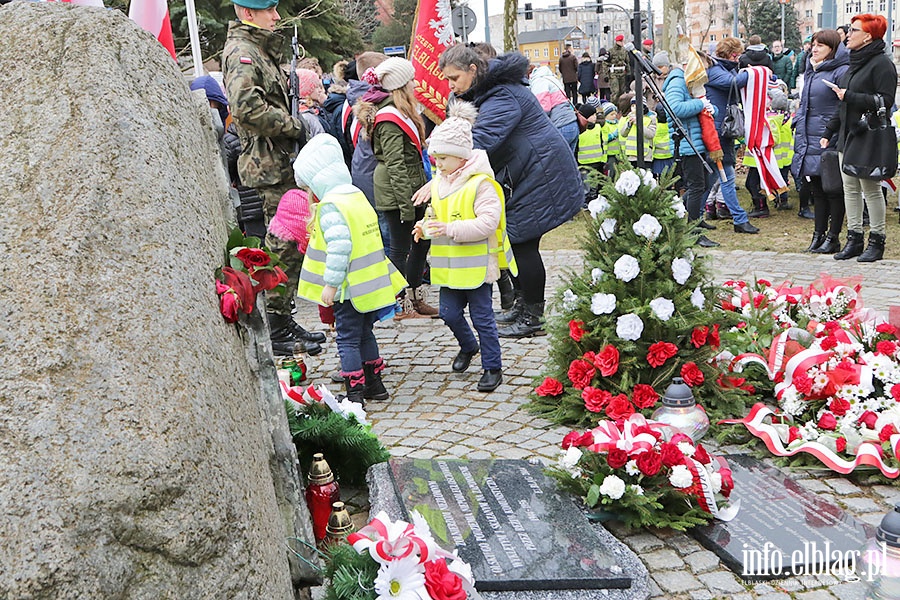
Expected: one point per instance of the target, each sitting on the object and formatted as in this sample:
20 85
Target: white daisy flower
400 580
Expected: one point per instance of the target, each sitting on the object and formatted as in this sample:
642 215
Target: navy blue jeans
355 339
480 309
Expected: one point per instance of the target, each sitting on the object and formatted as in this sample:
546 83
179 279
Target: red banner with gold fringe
432 34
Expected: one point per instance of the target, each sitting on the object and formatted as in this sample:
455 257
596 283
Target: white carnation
603 304
647 226
607 229
716 480
570 458
628 183
649 179
570 300
596 275
678 207
613 487
629 327
680 477
597 206
686 448
681 270
627 268
637 490
662 308
697 298
631 468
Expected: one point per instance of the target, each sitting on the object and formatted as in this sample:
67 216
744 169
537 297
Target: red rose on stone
660 352
240 284
576 330
649 462
550 387
841 444
895 391
267 278
619 408
885 347
886 328
714 339
868 418
253 257
607 361
701 455
595 400
670 454
580 373
616 458
839 406
229 305
644 396
827 421
692 374
442 583
886 432
793 434
699 335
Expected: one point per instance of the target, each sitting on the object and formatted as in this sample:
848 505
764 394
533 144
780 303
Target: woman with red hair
871 74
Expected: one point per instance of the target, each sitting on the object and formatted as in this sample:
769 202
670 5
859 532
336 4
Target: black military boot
875 249
513 314
374 387
852 248
310 336
355 386
529 323
817 239
285 340
830 245
507 293
760 208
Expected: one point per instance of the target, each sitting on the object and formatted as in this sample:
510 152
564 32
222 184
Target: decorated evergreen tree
639 313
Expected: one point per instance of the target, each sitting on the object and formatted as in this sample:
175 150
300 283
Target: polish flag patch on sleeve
246 60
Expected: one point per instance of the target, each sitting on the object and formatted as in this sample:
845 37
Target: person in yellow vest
784 149
628 132
610 130
591 145
663 149
468 241
345 265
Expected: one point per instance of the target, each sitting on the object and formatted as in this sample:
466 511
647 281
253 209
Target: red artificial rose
828 342
576 330
267 278
550 387
607 361
699 335
670 454
692 374
660 352
442 583
886 328
714 339
253 257
649 462
895 391
841 444
619 408
827 421
229 305
868 419
240 283
616 458
701 455
579 440
644 396
580 373
886 432
793 434
839 406
885 347
727 481
595 400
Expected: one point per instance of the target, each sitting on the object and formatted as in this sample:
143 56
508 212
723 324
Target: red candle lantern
321 493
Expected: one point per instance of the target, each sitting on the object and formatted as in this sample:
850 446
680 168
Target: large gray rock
138 456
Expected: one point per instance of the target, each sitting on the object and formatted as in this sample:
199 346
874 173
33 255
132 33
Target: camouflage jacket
257 92
618 58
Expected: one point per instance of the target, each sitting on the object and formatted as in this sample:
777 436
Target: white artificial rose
603 304
629 327
637 490
686 448
716 480
697 298
570 458
680 477
627 268
613 487
649 179
681 270
647 226
597 206
678 207
596 274
607 229
628 183
570 300
662 308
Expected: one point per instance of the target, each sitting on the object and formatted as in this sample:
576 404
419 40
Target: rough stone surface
137 456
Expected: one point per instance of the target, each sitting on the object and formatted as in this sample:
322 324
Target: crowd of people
356 190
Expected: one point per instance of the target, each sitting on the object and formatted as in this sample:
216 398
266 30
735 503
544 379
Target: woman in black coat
871 73
586 77
531 160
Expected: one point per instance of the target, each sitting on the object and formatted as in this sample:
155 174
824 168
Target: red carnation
619 408
692 374
841 444
885 347
616 458
595 400
607 361
828 342
714 339
649 462
580 373
832 326
699 335
644 396
839 406
895 391
253 257
569 439
827 421
586 439
760 301
868 419
701 455
442 583
660 352
670 454
793 434
590 357
576 330
550 387
803 383
886 432
764 282
886 328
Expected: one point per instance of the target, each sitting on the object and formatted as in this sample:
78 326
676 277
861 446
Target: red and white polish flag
153 16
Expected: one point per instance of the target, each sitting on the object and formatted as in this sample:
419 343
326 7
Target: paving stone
815 485
863 505
842 487
814 595
721 582
702 562
854 590
700 595
665 558
643 542
775 596
676 582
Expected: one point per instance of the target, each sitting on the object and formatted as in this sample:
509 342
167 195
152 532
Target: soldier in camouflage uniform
618 69
257 90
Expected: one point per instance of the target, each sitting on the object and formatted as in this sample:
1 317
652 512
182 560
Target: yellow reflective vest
591 149
631 141
614 145
775 120
662 142
784 150
372 282
464 265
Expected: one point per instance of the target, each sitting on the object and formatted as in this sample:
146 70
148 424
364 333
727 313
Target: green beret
256 4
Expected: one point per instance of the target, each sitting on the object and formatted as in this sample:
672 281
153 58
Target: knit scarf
757 133
375 94
862 55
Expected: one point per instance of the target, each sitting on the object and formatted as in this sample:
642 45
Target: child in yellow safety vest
628 131
467 227
663 148
591 145
345 265
784 149
610 129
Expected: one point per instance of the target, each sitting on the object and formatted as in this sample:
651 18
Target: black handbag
870 151
733 122
830 170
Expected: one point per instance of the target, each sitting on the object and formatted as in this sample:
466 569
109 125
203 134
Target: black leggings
408 256
532 275
827 205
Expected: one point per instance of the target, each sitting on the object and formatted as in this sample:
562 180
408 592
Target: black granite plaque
782 529
508 521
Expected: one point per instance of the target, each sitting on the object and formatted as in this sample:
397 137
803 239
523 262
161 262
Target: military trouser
285 250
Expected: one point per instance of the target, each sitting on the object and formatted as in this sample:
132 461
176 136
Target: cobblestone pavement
434 412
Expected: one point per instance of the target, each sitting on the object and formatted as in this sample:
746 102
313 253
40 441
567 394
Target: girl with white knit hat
468 241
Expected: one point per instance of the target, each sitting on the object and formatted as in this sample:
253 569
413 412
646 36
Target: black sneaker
490 380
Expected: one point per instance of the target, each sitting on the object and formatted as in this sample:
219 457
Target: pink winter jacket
488 207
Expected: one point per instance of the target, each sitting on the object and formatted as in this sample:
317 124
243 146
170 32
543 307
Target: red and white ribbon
707 497
607 436
387 540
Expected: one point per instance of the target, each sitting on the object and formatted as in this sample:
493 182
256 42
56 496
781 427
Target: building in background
544 47
708 21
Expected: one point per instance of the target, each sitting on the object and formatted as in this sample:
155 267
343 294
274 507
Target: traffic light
563 11
599 7
528 14
606 29
644 24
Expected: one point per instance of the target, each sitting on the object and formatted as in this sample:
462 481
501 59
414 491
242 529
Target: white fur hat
395 72
453 137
